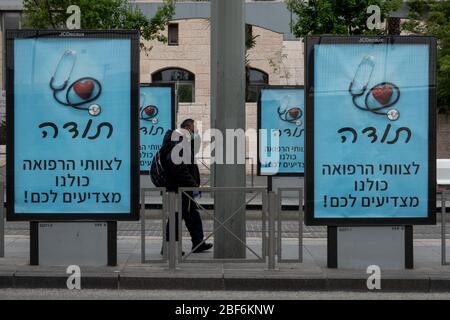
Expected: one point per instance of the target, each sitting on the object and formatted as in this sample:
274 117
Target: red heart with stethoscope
383 94
294 113
150 111
84 89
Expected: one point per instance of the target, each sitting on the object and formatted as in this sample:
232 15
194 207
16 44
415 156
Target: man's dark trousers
191 217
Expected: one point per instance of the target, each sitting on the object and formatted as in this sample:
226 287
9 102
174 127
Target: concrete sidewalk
429 275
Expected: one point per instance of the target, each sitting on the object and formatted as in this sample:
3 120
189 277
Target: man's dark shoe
204 247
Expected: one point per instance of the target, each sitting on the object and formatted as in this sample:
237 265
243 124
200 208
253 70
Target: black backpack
157 173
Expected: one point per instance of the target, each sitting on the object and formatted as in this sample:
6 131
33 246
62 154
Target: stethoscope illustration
84 88
290 114
386 94
148 112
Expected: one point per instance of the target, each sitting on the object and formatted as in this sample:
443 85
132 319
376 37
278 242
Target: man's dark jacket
184 175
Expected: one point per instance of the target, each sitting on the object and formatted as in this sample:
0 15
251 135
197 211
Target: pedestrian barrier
443 231
164 215
254 192
173 250
299 193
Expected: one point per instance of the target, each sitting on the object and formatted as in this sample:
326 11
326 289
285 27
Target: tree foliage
433 18
100 14
344 17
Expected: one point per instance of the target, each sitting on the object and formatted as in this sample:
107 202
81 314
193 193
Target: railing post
272 214
264 212
279 236
172 229
300 226
164 219
443 231
253 174
2 218
142 214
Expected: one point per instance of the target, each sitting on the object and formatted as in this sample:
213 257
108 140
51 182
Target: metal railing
443 229
299 192
164 214
261 258
271 226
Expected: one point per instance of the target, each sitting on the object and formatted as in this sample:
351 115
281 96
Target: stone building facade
281 60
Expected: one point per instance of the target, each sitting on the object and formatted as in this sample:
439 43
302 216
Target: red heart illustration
294 113
383 94
150 111
84 89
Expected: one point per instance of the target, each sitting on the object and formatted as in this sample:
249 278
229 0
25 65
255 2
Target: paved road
12 294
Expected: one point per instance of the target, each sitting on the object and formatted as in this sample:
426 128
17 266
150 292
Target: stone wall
192 54
443 136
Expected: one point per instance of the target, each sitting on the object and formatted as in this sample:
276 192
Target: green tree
100 14
345 17
433 18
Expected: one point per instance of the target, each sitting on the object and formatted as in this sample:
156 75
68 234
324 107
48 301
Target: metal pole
300 226
172 230
179 210
253 174
228 112
272 214
2 219
142 226
443 231
265 209
279 237
164 220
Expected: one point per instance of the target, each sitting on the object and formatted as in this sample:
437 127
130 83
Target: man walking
184 174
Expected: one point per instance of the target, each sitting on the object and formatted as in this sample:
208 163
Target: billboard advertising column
73 136
281 119
371 130
157 116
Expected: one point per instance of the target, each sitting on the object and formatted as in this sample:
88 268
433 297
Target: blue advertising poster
281 116
157 116
372 151
72 106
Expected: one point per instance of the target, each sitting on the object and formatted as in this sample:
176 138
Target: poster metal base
361 247
73 243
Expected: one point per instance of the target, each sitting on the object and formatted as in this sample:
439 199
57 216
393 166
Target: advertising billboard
281 131
73 136
371 130
157 116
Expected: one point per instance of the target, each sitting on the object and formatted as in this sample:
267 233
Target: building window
183 80
173 34
256 79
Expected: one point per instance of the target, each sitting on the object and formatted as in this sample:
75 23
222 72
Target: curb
24 280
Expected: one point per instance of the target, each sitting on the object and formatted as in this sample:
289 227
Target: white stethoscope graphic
288 113
387 94
83 87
